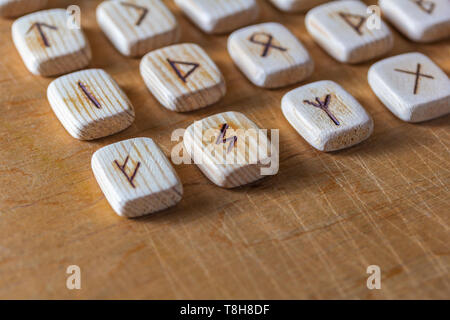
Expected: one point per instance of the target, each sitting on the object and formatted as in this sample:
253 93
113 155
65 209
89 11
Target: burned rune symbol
324 105
350 17
123 167
221 138
427 6
267 44
179 73
89 95
417 74
39 26
144 11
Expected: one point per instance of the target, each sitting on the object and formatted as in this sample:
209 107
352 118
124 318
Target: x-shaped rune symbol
267 45
417 74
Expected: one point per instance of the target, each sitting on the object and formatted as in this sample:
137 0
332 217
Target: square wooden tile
15 8
136 27
327 116
270 55
183 77
220 16
48 46
136 177
412 86
341 29
228 148
90 104
296 5
419 20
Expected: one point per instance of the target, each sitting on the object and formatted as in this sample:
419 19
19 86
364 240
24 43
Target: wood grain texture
182 77
219 16
47 46
327 116
421 21
340 27
136 27
14 8
308 232
270 55
90 104
412 86
136 177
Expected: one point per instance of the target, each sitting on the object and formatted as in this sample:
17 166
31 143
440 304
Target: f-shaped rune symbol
417 74
123 167
324 106
267 44
221 138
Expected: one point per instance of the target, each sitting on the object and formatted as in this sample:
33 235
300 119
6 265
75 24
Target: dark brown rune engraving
267 44
427 6
323 105
39 26
350 17
417 74
221 138
89 95
144 11
122 169
180 75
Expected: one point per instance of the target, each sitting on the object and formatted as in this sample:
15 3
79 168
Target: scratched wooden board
308 232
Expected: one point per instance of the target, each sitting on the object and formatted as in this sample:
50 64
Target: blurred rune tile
411 86
136 27
327 116
136 177
90 104
182 77
270 55
219 16
342 29
48 46
296 5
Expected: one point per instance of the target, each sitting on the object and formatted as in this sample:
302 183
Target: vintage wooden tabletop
311 231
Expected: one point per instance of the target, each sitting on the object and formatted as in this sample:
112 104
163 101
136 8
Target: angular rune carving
267 44
122 168
89 95
143 10
182 76
323 105
350 17
39 26
417 74
221 138
425 5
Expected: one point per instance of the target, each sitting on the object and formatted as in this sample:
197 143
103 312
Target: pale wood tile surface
136 177
341 29
219 16
419 20
412 86
183 77
296 5
136 27
90 104
270 55
327 116
46 44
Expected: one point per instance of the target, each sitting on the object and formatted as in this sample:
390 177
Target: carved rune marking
221 138
323 105
144 11
179 73
350 19
417 74
89 95
122 169
427 6
39 26
267 44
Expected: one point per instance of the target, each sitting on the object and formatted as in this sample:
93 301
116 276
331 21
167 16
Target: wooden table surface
308 232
